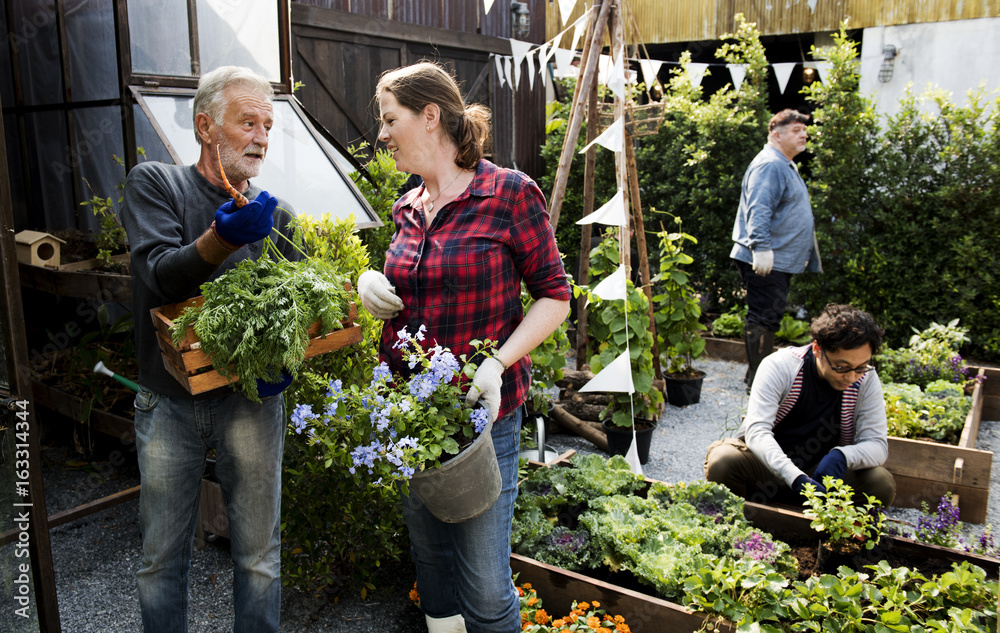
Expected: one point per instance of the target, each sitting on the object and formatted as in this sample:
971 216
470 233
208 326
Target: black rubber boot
759 343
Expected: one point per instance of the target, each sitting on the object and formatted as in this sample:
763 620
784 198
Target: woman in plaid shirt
464 240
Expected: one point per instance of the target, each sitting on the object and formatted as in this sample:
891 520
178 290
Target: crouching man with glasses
815 410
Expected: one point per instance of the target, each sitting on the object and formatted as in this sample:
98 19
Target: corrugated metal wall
664 21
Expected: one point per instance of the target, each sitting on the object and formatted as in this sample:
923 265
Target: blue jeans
173 437
465 567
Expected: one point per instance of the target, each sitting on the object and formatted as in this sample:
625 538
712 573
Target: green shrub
730 324
335 533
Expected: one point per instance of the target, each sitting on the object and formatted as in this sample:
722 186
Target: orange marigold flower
623 628
593 622
541 617
601 629
527 585
558 623
596 604
520 592
582 607
619 619
532 601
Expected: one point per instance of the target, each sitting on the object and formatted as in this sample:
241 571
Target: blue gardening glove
799 485
486 385
834 464
267 389
250 224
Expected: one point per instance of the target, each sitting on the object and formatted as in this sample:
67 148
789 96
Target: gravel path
96 557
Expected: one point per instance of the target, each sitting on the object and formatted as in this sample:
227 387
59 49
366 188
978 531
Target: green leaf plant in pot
610 330
678 319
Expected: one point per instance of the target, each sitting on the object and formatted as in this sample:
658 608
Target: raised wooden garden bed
925 471
725 349
646 613
192 367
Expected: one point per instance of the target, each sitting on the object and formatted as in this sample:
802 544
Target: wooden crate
645 613
192 367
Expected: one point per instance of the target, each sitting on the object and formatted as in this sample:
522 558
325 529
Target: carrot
238 198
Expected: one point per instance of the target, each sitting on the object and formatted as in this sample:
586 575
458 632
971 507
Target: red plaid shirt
462 277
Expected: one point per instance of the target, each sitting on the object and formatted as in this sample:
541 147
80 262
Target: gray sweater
166 209
773 394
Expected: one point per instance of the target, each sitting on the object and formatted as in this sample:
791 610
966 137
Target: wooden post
586 231
588 75
640 238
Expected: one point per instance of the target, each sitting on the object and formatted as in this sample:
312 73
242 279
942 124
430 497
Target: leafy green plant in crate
613 328
938 412
677 306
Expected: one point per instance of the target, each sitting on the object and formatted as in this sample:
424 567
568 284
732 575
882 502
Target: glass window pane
244 36
90 34
99 138
296 167
158 32
36 38
146 138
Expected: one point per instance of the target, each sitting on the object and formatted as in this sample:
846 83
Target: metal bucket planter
465 486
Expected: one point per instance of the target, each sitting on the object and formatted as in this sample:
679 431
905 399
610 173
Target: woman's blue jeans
465 567
173 437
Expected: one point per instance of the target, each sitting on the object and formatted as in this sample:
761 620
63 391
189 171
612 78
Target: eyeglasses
839 369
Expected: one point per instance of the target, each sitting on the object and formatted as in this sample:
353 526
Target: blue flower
301 416
481 417
335 389
381 373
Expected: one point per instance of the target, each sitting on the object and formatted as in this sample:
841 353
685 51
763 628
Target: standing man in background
773 233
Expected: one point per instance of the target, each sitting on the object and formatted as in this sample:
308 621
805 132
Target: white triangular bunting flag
616 377
738 73
632 456
611 214
500 73
610 138
566 9
650 69
530 58
544 52
612 287
782 72
508 73
564 61
616 78
487 5
518 51
812 5
696 72
578 31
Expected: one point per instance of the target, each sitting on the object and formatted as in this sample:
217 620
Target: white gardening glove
378 296
763 262
486 385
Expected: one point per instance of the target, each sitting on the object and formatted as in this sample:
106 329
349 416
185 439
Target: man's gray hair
210 97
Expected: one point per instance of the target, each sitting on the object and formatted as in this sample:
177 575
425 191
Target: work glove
378 296
251 223
267 389
799 485
486 385
763 262
833 463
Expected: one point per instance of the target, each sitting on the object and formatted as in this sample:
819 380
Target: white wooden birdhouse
38 248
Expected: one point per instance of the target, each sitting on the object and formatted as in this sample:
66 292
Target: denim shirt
775 215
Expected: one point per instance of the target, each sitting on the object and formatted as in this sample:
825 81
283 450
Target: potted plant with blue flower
414 431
